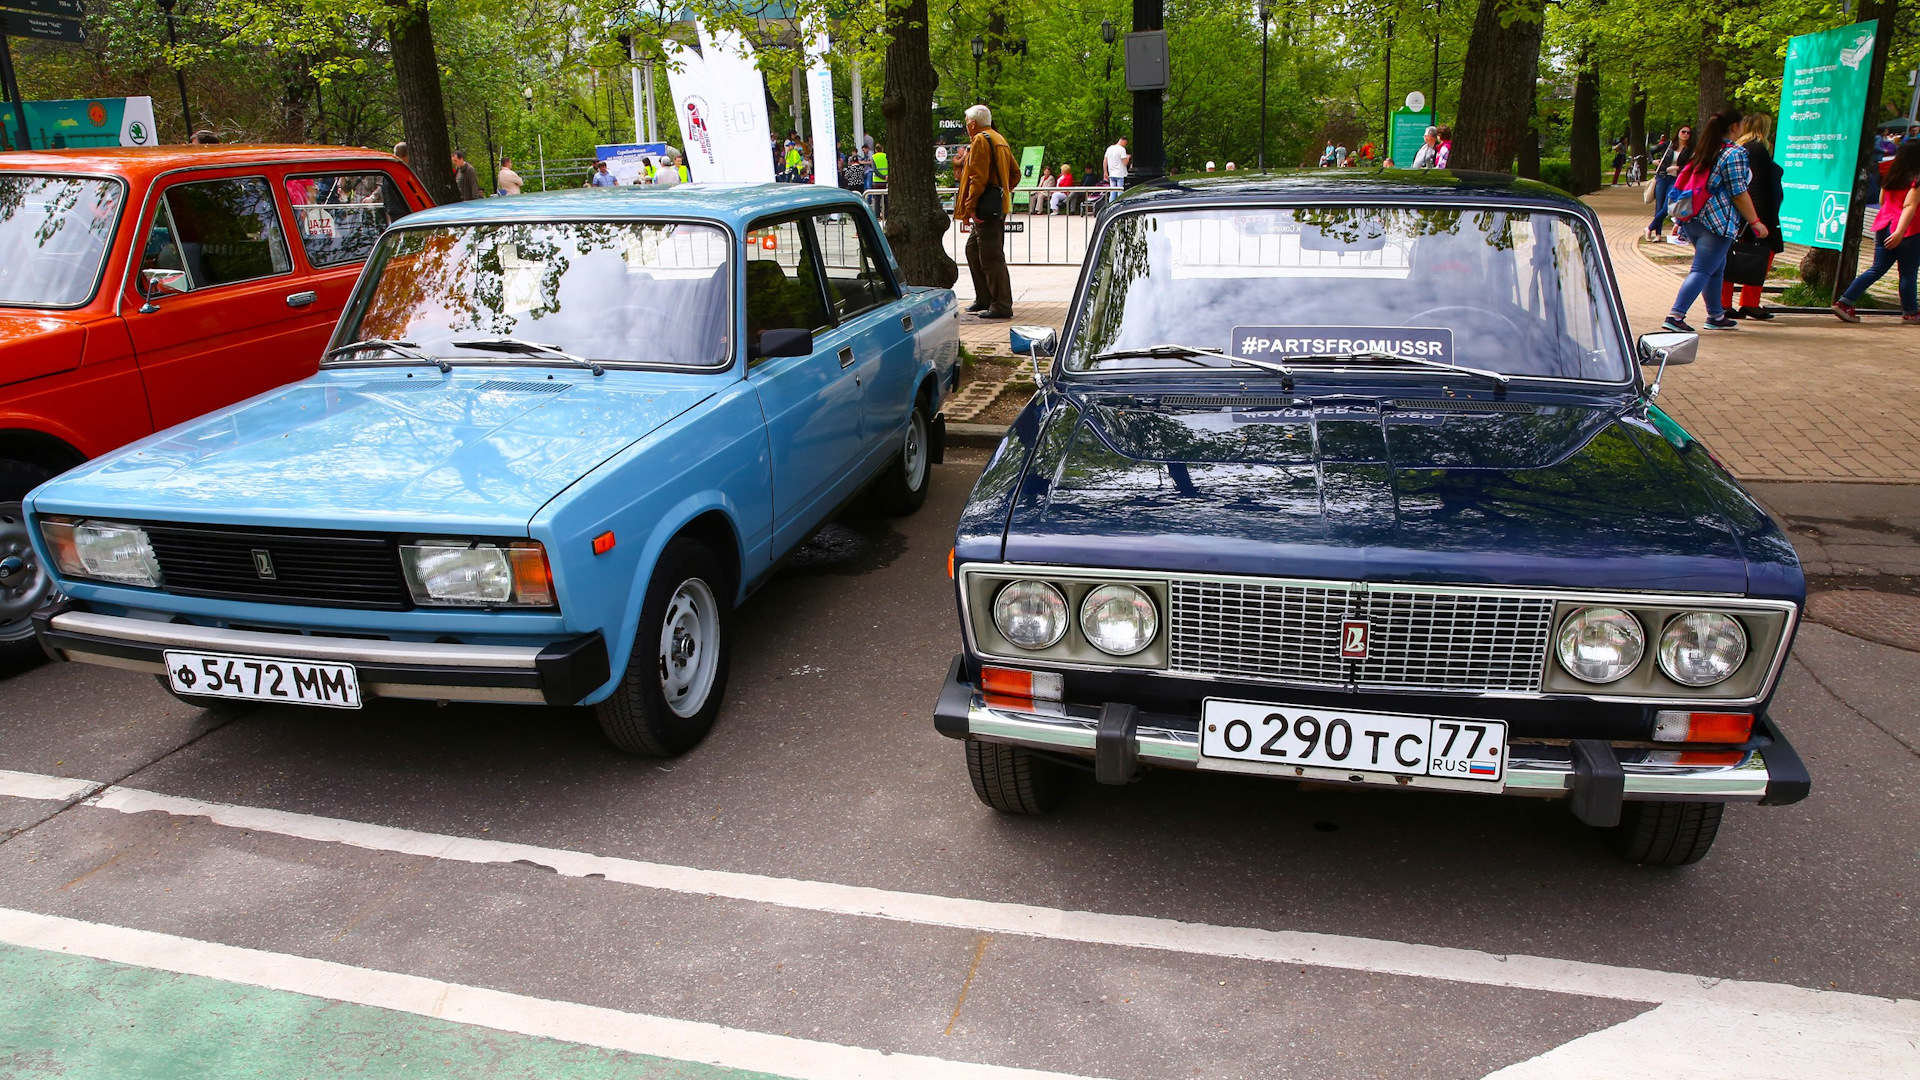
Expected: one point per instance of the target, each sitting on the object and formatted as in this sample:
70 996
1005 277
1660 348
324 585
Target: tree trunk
916 225
1496 84
1713 77
1583 155
1819 267
1529 152
1637 124
423 113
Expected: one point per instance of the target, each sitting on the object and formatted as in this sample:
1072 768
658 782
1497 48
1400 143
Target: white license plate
1354 742
264 678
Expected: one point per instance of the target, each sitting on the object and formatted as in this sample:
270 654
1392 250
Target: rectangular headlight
477 573
102 551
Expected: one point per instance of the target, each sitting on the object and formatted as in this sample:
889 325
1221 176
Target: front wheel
1667 833
24 583
1013 779
902 488
667 699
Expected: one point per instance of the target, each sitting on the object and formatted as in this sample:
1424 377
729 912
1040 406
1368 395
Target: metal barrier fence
1048 226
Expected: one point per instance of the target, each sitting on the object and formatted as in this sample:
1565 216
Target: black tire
28 586
640 718
902 487
1013 779
1667 833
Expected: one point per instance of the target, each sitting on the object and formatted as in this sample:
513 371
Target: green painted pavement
78 1018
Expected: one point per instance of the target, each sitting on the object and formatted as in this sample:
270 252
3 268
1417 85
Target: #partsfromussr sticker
1275 342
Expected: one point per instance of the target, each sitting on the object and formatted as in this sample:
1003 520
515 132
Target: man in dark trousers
465 177
986 197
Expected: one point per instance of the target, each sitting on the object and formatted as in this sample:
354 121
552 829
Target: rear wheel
1667 833
902 488
24 583
677 674
1013 779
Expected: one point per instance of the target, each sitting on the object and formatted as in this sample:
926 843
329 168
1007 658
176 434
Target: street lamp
178 76
1263 85
979 50
1107 34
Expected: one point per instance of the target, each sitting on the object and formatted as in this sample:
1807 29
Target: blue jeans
1662 184
1907 255
1708 273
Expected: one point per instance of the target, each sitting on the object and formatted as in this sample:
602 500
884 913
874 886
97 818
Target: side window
783 286
218 231
854 277
340 215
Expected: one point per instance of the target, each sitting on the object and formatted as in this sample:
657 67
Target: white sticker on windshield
520 281
1275 342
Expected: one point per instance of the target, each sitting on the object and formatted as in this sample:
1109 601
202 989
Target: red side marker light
603 543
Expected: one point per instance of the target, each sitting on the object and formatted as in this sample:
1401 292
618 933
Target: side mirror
1035 341
155 282
1669 348
785 342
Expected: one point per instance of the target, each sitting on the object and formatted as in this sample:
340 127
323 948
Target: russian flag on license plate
1482 768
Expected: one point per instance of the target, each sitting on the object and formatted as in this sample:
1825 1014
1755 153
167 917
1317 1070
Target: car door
229 326
338 216
864 300
812 403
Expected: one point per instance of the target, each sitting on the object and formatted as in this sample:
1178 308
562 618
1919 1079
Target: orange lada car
143 287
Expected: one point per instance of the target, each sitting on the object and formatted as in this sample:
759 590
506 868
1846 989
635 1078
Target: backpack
1688 196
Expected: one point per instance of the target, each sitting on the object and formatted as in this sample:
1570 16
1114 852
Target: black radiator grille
328 569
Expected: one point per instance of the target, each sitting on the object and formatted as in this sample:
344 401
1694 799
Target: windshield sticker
1278 342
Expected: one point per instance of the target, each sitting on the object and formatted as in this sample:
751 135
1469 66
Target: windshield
54 236
1510 291
633 291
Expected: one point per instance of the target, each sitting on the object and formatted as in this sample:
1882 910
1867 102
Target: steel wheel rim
28 586
689 647
913 454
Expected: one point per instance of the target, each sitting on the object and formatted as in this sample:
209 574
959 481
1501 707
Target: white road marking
23 785
1776 1008
590 1025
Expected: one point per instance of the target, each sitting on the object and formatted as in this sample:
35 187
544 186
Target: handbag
1748 260
1646 190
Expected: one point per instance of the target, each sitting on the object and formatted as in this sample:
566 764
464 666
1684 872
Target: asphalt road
824 771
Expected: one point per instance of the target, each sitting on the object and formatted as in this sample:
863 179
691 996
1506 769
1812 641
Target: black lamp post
979 50
178 76
1263 85
1107 34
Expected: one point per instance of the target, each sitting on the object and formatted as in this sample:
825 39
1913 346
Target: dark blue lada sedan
1358 478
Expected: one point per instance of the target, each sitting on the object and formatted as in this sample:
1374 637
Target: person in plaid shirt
1728 208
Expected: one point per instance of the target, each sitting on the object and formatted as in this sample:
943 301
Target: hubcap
913 455
689 647
23 587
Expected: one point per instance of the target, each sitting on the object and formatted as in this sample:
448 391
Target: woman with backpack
1710 200
1677 156
1756 132
1896 228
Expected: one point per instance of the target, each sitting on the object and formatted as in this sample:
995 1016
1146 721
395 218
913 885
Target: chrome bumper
557 674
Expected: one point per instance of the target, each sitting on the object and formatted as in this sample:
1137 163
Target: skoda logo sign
263 563
137 132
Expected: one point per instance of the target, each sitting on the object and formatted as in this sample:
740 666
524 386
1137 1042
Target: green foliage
1558 172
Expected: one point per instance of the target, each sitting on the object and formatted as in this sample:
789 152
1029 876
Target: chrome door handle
906 323
302 299
846 356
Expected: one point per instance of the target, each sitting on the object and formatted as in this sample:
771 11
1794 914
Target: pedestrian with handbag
1752 257
1710 200
1896 231
1678 155
983 203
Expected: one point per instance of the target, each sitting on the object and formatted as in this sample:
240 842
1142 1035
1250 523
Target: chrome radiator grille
1417 640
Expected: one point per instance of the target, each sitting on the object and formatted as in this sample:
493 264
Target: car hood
1441 491
472 447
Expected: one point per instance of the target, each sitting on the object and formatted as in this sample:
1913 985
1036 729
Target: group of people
1436 148
1338 156
1055 192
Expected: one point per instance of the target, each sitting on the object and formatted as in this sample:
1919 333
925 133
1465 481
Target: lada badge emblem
263 563
1353 639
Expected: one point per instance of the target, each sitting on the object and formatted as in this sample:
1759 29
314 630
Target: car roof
1371 185
149 161
734 204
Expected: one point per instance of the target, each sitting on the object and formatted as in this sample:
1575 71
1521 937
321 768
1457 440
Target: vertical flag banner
820 104
1823 101
737 91
687 79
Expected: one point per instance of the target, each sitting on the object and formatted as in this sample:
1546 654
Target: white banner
820 103
692 104
737 91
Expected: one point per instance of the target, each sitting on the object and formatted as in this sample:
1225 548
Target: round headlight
1031 614
1601 644
1119 619
1701 648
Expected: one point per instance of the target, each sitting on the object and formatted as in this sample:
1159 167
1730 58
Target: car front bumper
561 673
1591 772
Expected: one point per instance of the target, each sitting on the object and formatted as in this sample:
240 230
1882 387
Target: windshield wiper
1396 358
399 348
528 348
1192 352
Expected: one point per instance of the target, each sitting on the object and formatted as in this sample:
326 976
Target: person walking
1678 155
1723 170
983 202
1443 150
1896 231
1117 161
1756 136
1429 149
508 182
1619 158
465 178
878 187
600 177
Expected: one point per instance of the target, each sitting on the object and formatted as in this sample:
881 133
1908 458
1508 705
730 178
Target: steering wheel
1471 313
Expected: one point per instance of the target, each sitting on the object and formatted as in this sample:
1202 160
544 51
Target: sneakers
1910 320
1676 325
1758 314
1721 323
1845 311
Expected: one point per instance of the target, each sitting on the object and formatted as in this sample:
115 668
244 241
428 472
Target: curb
984 436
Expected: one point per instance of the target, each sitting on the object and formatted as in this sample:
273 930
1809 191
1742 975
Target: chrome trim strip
298 646
1646 782
1721 601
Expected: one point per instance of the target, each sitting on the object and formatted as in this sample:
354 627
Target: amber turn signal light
603 543
1015 683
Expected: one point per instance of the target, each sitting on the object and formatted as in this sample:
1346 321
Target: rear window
339 216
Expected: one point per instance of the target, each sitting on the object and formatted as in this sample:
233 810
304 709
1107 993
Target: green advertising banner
1823 101
1031 158
1409 131
91 122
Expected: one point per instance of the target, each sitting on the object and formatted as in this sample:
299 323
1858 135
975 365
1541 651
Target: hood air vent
1458 405
1236 401
507 386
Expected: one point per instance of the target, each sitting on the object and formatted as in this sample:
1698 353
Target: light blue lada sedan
555 441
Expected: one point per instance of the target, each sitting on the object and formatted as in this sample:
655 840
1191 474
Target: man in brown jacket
986 197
